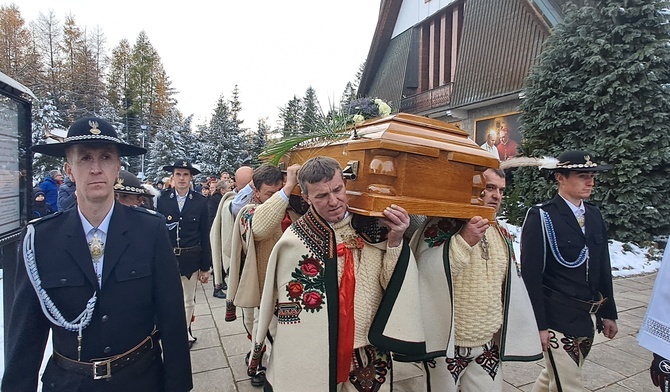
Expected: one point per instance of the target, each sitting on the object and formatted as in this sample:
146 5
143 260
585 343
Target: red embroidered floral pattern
308 285
436 234
295 289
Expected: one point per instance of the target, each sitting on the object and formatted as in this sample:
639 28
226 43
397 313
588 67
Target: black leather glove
660 373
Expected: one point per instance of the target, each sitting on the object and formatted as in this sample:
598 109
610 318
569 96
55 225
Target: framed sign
499 135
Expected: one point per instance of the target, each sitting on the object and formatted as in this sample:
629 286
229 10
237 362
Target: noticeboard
10 197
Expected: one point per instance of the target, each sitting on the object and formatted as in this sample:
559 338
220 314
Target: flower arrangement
362 109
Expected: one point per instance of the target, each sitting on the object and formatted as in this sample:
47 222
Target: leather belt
589 306
183 251
101 369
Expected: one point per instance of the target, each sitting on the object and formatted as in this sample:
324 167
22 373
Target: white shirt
90 230
242 198
577 211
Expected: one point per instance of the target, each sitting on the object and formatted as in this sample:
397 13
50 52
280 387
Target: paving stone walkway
617 365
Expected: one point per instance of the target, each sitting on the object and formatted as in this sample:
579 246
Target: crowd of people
329 299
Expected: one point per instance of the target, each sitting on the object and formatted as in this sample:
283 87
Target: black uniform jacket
141 290
539 267
192 227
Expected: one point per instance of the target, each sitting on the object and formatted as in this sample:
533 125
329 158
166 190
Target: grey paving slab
629 345
640 382
520 373
238 367
617 365
207 338
618 360
218 380
208 359
595 376
203 321
236 344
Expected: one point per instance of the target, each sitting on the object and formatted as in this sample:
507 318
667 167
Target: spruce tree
167 145
258 140
291 117
221 142
602 84
312 116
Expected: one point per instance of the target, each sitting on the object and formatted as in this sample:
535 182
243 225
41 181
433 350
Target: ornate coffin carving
426 166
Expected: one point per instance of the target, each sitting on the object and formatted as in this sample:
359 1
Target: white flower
358 118
384 108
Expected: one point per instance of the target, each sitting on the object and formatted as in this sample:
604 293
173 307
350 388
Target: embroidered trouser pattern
370 371
563 363
471 369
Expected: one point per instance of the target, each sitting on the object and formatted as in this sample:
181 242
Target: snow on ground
627 260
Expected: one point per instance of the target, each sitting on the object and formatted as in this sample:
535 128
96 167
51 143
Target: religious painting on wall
499 135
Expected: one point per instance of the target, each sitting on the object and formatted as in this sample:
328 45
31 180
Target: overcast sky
271 49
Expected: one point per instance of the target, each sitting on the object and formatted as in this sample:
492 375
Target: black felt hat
126 182
182 164
89 130
580 161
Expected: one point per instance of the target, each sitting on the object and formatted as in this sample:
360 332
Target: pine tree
259 140
348 95
167 145
291 117
312 116
221 142
46 118
602 85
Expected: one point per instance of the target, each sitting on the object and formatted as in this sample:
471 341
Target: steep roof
388 14
546 12
500 41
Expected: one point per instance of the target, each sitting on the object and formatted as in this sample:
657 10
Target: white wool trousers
563 363
472 369
189 285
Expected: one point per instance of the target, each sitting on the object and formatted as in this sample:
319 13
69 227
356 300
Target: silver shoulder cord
48 307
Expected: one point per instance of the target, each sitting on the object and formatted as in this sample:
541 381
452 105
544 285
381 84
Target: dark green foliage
258 140
602 85
221 142
291 117
312 118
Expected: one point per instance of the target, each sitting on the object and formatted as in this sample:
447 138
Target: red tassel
346 326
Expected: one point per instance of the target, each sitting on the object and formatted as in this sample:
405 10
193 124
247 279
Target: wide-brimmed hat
127 182
182 164
89 130
578 160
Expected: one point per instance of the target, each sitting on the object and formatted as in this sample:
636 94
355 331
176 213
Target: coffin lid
420 135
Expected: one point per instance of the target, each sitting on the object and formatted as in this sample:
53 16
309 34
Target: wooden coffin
426 166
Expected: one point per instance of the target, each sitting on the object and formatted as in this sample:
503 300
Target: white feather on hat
547 163
152 190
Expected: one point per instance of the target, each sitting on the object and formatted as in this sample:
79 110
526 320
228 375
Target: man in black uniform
188 225
129 190
565 264
103 279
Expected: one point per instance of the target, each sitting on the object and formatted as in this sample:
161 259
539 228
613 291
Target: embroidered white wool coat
220 237
302 286
518 337
256 230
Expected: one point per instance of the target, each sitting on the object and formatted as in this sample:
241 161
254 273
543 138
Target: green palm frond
336 126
